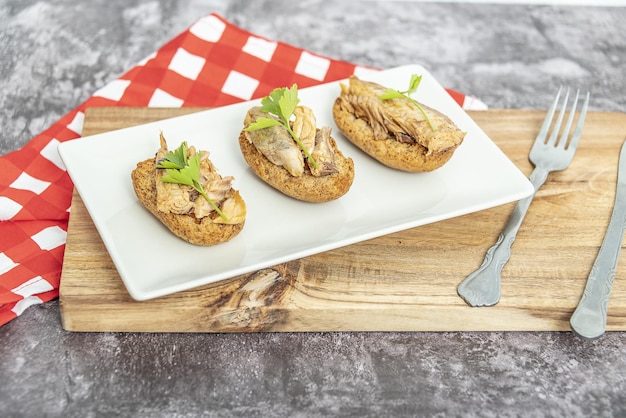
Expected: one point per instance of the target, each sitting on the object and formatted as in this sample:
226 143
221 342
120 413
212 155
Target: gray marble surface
55 53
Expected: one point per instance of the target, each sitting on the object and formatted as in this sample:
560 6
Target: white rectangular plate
152 262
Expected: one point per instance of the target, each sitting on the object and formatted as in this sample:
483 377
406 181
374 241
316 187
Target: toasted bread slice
306 187
395 132
204 231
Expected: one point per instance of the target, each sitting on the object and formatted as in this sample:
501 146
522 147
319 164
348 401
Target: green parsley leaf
262 123
390 94
169 164
182 170
288 101
175 159
281 102
177 177
414 83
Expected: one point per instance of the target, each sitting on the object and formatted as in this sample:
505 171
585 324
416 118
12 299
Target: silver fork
482 287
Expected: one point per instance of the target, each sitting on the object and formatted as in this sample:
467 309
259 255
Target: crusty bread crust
306 187
196 231
392 153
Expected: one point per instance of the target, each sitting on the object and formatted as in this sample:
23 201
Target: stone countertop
56 53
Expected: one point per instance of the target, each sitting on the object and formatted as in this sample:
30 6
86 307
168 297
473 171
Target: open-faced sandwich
394 128
283 146
185 192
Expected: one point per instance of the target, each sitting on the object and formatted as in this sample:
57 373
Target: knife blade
589 318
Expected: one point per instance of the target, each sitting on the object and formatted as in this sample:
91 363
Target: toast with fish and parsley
393 128
184 191
282 144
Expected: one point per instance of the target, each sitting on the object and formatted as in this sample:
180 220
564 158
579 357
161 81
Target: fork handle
482 287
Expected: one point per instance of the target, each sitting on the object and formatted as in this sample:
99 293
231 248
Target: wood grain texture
400 282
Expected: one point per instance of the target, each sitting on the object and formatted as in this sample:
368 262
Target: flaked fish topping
278 146
275 143
182 199
174 198
304 126
398 118
323 154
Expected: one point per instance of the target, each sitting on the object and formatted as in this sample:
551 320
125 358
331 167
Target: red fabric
213 63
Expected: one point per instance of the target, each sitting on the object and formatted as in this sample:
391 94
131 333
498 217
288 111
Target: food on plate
183 189
283 146
393 128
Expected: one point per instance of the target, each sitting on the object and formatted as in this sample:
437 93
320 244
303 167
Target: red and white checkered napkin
213 63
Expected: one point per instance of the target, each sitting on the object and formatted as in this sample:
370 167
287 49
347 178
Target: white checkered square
50 238
312 66
6 263
209 28
50 152
76 125
28 182
23 304
186 64
240 85
260 48
162 98
8 209
32 287
113 90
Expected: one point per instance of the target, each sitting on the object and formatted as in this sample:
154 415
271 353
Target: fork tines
557 132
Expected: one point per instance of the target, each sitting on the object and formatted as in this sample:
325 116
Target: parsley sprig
281 102
181 169
414 83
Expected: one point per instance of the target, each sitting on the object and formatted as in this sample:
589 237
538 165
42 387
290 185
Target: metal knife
589 318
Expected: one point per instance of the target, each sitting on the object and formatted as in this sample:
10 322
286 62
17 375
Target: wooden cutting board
401 282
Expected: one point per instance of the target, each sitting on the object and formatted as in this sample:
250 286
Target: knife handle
589 318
